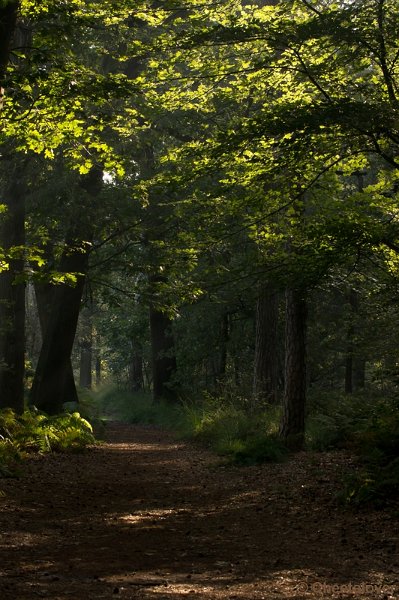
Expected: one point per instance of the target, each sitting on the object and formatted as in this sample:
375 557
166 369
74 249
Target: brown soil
145 517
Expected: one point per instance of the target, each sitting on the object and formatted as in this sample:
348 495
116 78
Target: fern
36 432
9 458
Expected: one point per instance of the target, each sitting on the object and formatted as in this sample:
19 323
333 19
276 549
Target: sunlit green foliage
36 432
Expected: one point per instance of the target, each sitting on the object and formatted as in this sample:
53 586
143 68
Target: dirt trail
145 517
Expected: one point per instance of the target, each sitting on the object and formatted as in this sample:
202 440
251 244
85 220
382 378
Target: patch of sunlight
148 515
184 589
246 497
140 446
20 539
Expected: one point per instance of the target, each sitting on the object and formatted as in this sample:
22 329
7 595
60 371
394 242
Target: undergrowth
368 426
36 432
222 425
128 407
230 430
364 425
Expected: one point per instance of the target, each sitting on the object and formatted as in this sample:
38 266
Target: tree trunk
224 338
12 297
86 350
348 371
292 426
98 370
359 373
45 297
86 356
8 22
355 365
136 375
162 355
52 384
266 355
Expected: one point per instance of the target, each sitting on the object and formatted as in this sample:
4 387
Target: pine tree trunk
12 298
292 426
266 355
162 355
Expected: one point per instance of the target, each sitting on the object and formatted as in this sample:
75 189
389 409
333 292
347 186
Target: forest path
145 517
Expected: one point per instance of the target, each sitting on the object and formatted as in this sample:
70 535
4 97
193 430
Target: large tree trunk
12 297
292 428
45 297
52 384
266 355
162 355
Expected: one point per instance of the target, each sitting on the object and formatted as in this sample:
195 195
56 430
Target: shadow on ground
143 516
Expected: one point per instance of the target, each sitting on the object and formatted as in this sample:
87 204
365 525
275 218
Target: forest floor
143 516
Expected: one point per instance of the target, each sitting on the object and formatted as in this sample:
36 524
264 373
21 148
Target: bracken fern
36 432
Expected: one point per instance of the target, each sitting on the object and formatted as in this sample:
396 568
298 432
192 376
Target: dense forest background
200 201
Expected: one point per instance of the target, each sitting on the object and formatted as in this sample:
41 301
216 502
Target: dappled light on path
142 517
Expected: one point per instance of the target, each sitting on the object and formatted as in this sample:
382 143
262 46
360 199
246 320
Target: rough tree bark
12 295
266 355
292 427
